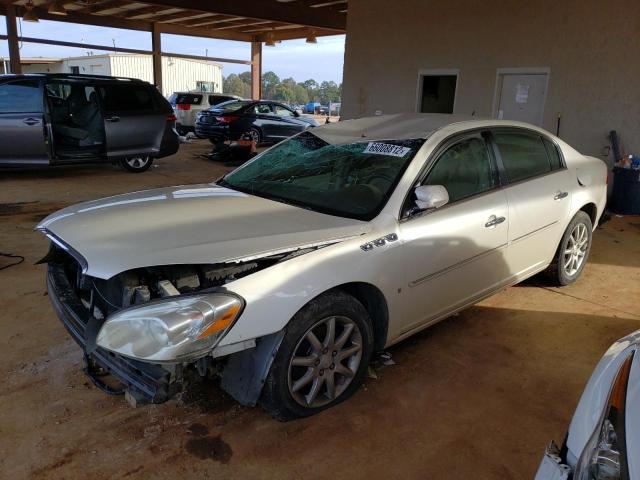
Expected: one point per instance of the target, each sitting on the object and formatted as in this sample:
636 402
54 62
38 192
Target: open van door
134 122
23 132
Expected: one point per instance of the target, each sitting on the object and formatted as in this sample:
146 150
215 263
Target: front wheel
322 359
137 164
573 250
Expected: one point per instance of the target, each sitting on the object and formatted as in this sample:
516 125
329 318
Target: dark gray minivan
58 119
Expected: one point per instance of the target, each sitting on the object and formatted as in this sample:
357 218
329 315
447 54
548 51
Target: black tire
277 398
137 164
559 271
256 135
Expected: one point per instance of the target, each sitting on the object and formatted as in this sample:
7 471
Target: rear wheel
255 135
322 359
573 250
137 164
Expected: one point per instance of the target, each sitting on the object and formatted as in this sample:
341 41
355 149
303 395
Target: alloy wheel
137 162
255 136
321 370
576 249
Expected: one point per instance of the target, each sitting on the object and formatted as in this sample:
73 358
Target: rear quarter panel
589 181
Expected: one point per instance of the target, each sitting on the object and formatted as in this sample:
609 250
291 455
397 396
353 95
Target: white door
454 254
539 196
521 97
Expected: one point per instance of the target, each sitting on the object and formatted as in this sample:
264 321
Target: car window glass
523 155
188 99
263 109
554 155
283 112
21 96
353 180
126 98
464 169
216 99
59 91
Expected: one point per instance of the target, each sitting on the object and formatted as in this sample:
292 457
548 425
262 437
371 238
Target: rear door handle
560 195
31 121
112 118
493 221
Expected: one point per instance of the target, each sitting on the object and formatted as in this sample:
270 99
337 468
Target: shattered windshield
353 180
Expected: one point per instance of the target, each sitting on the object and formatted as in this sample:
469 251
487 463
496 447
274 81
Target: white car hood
188 225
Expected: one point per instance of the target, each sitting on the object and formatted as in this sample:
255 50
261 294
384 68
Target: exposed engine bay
142 285
98 300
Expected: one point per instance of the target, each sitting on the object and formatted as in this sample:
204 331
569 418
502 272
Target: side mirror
296 113
431 196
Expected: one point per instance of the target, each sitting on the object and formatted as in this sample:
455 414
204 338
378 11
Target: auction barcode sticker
386 149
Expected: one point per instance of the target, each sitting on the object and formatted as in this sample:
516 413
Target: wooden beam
206 59
84 46
156 46
12 39
145 11
109 48
184 15
265 10
139 25
102 6
256 70
292 34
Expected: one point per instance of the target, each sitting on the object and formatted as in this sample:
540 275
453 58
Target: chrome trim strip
521 237
456 265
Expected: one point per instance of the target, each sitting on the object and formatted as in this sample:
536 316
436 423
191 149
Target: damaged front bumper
144 382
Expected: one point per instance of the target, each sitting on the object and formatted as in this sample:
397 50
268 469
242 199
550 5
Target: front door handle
112 118
560 195
31 121
493 221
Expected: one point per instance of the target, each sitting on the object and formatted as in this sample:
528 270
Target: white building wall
178 74
181 74
89 65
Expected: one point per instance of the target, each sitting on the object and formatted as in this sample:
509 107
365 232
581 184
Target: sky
292 58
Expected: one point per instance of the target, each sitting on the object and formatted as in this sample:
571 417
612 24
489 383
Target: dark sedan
264 121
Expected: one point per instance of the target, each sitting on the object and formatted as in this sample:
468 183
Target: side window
554 154
464 169
263 109
127 98
283 112
523 155
21 96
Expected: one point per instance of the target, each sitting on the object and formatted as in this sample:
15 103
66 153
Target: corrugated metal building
178 74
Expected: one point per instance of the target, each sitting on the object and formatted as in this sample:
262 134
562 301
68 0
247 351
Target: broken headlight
176 329
605 456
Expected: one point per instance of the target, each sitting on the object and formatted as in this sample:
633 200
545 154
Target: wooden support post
12 40
156 47
256 70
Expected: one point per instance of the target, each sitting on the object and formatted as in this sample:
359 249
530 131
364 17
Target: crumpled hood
188 225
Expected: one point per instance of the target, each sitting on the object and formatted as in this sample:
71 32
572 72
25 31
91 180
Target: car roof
71 76
404 126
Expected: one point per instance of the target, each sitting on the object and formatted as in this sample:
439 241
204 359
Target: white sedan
284 276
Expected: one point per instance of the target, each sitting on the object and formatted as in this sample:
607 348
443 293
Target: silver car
603 440
283 277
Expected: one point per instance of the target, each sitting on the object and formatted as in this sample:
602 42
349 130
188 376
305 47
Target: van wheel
573 251
137 164
322 359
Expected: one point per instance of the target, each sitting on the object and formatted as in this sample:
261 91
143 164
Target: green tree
233 85
329 92
269 82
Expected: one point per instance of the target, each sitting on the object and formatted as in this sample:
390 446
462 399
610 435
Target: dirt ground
477 396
